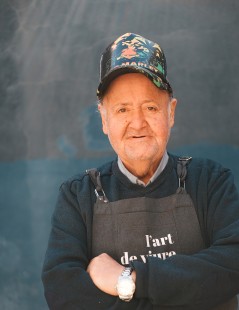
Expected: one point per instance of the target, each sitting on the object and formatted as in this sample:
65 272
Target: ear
103 115
172 109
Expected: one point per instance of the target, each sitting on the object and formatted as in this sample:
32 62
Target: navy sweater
199 281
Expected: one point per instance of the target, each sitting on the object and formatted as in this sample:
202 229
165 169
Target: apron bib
137 228
133 229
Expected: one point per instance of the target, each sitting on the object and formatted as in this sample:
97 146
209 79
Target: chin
143 153
145 156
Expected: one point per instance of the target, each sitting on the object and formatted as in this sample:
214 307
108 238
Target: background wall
49 128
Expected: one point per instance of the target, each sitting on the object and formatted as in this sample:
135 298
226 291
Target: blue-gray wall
49 128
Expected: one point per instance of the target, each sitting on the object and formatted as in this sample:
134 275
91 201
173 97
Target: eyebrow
129 103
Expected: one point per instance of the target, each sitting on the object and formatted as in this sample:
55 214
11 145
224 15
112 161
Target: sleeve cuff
141 279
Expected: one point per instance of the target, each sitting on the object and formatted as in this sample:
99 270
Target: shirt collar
135 180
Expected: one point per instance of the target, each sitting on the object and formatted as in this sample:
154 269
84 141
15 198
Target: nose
137 120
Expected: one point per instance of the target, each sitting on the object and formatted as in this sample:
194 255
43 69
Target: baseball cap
132 53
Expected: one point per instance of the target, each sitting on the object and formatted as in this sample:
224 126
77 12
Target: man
149 230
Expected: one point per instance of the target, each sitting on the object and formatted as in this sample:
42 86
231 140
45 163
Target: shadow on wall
28 191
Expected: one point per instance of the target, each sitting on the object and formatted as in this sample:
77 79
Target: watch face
125 287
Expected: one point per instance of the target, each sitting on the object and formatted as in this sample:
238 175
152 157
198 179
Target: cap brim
159 82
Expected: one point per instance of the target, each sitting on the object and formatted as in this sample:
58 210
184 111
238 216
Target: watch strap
127 272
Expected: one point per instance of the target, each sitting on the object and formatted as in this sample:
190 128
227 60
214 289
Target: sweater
199 281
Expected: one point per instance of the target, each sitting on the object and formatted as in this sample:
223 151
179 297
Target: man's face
137 117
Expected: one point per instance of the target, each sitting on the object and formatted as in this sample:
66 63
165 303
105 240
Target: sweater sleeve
67 285
210 277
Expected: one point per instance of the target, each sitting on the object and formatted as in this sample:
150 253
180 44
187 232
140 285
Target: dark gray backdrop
49 128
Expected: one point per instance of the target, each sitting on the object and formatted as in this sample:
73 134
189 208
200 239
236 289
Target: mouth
138 137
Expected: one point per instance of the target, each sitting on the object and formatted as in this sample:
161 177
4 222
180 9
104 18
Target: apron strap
182 170
94 175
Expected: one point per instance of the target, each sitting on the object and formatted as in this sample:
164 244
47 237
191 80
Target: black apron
137 228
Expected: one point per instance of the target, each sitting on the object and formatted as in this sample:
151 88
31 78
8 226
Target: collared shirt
135 180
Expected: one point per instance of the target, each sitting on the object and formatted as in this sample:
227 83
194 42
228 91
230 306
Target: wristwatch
126 286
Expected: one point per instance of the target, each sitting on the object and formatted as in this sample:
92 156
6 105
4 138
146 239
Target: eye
122 110
151 108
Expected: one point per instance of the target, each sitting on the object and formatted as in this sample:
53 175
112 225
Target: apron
142 227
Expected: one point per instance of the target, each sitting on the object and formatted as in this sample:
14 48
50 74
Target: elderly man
149 230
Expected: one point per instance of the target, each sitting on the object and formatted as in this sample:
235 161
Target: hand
104 272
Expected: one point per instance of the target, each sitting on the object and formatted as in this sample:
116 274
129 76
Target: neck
143 170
